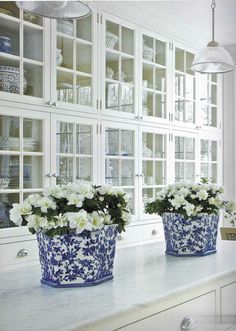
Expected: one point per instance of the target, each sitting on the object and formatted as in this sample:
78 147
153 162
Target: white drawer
18 254
201 309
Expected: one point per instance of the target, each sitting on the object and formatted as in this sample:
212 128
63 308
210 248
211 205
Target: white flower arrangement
190 199
74 207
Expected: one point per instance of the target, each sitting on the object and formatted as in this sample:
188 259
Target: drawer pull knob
187 324
23 252
154 232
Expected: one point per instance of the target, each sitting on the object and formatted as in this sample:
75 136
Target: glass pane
112 66
179 171
214 78
83 168
130 195
148 175
32 133
83 58
213 94
65 26
9 171
147 145
160 173
189 88
179 85
32 172
160 79
9 133
10 35
112 96
213 117
33 80
83 28
204 150
148 103
127 143
189 171
179 147
32 18
84 90
204 113
64 86
112 141
112 172
64 137
127 172
148 196
9 8
204 170
112 35
179 59
160 54
6 201
189 148
83 139
160 105
179 110
64 170
189 61
9 76
148 51
213 151
160 146
189 111
66 46
127 70
214 173
33 43
127 99
148 75
127 36
203 87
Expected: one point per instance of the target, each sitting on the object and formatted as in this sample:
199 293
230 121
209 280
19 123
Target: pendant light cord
213 6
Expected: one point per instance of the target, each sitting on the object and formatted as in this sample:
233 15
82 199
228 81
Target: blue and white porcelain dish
78 260
195 236
5 45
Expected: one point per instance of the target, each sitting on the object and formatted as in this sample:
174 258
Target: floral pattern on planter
195 236
83 259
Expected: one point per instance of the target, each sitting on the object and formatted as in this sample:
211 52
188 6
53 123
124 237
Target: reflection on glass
214 173
179 59
148 75
64 137
64 86
179 110
83 168
66 27
130 195
160 52
204 170
127 143
33 43
160 173
112 96
148 103
189 148
189 111
83 139
83 90
179 85
83 58
112 141
213 94
6 201
112 172
64 170
213 151
83 28
148 172
127 70
189 88
34 80
127 172
147 145
213 116
32 135
204 150
189 171
160 105
32 172
9 133
204 112
127 99
127 37
9 171
179 171
160 146
179 147
189 61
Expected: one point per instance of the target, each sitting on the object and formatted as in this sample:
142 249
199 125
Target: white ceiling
195 16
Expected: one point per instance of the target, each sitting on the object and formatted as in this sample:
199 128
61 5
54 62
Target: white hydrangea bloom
15 214
75 199
79 221
85 189
56 191
202 194
45 203
105 189
178 201
183 191
61 220
107 219
189 209
96 220
32 199
37 222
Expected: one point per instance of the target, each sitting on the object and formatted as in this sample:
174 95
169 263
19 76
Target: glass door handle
187 324
55 175
49 175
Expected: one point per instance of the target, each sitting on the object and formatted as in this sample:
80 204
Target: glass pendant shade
213 59
56 9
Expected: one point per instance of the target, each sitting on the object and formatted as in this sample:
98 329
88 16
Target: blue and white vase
74 260
195 236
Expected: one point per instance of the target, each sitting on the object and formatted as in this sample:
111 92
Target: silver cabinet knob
55 175
49 103
23 252
49 175
187 324
54 103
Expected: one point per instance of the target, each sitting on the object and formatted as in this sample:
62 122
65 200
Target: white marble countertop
142 275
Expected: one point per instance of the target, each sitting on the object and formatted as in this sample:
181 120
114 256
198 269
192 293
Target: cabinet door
119 159
228 303
73 59
74 150
201 310
24 55
119 55
24 159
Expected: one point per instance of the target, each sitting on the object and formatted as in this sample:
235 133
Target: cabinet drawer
19 254
228 303
201 309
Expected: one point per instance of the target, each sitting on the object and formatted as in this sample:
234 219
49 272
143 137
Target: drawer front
201 310
228 303
18 254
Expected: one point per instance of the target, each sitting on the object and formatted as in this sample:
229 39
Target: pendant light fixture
56 9
213 59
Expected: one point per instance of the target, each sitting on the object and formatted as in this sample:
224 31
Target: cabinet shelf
154 64
126 55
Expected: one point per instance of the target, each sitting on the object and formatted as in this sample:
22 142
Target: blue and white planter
195 236
74 260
